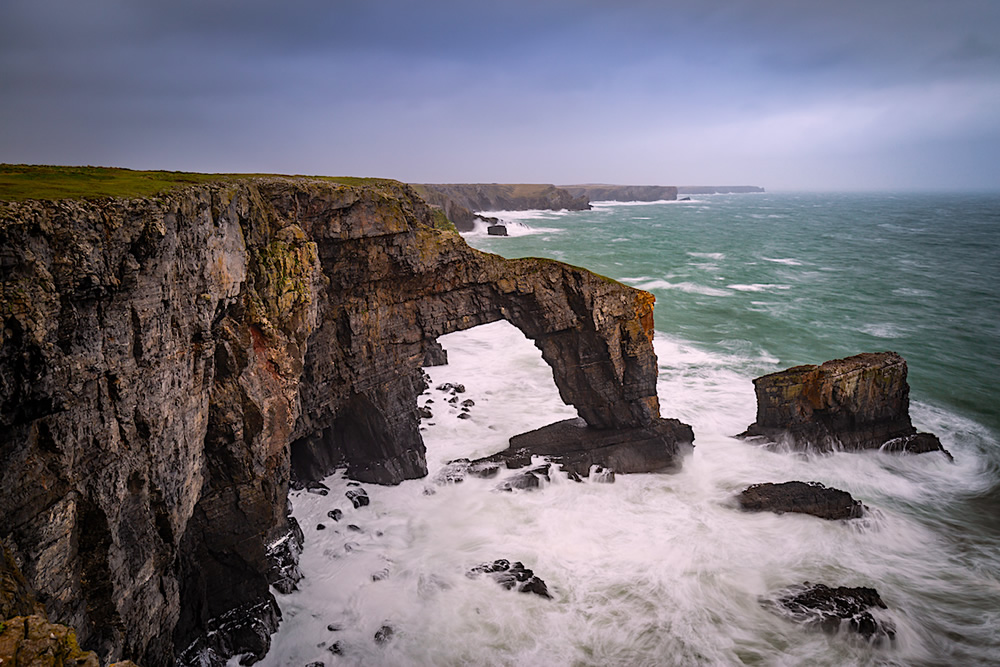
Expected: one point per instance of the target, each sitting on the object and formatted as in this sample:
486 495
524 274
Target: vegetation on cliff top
19 181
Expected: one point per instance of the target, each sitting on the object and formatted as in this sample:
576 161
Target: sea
664 569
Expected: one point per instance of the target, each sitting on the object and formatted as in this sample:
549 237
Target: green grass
21 181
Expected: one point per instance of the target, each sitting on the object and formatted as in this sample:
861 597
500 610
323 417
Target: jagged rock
464 415
460 200
859 402
468 403
358 497
829 608
170 365
425 413
335 514
801 497
497 230
16 597
512 576
434 354
454 388
32 640
656 447
336 648
283 556
525 480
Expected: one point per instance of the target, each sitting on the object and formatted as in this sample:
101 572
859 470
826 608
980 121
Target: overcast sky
787 94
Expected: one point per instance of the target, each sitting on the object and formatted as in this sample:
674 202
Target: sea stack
860 402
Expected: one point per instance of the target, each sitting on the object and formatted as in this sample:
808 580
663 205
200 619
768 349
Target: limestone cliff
594 192
461 200
167 365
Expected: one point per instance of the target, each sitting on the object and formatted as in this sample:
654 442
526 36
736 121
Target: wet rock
320 526
602 475
381 575
918 443
358 497
336 648
801 497
335 514
319 488
858 402
468 403
425 413
316 664
455 472
833 608
512 576
384 634
657 447
453 400
283 556
355 528
333 627
464 415
454 388
527 479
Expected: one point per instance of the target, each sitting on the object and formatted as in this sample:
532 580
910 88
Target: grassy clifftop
19 181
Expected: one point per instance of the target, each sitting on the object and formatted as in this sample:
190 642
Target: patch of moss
441 221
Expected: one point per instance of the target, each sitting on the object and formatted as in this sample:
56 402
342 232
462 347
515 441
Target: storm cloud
784 94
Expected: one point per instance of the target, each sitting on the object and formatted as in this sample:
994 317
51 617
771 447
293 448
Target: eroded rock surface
512 576
168 365
801 497
859 402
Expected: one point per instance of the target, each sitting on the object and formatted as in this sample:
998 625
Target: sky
785 94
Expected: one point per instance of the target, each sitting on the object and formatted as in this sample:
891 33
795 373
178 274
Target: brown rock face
860 402
167 365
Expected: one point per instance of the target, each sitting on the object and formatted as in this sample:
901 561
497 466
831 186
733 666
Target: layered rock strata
167 365
860 402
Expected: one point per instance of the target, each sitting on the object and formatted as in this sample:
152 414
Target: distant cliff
717 189
623 192
167 364
461 199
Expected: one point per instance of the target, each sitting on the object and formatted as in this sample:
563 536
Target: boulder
800 497
657 447
358 497
859 402
526 480
830 609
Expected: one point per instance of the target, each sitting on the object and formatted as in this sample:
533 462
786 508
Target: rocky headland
169 365
600 192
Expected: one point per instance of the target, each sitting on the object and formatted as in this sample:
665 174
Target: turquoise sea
662 569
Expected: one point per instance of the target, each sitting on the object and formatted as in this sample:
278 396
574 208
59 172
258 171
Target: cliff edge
169 364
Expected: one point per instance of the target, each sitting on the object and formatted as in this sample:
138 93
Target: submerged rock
511 576
527 479
384 634
455 472
801 497
831 608
859 402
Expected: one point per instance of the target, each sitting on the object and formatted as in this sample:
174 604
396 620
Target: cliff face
167 365
623 192
458 199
